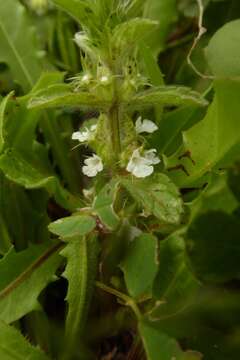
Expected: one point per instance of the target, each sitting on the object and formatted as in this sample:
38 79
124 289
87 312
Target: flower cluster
141 163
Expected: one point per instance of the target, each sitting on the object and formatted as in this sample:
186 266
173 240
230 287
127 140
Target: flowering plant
130 185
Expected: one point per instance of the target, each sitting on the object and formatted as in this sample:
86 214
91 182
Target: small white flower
84 135
93 165
105 79
142 166
86 79
145 125
83 42
150 155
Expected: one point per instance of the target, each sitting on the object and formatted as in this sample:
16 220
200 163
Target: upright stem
115 129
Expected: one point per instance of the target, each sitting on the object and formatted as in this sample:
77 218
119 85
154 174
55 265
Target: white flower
142 166
145 125
84 135
105 79
93 165
86 79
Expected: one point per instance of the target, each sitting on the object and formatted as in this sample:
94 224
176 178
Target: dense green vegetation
119 179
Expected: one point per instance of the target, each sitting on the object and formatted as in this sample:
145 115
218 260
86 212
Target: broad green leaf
62 96
72 226
168 96
214 141
140 264
157 195
81 268
24 275
128 34
13 345
165 12
174 286
213 247
80 10
103 205
18 45
159 346
223 60
28 174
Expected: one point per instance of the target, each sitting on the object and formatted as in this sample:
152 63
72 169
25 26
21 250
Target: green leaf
175 286
13 345
81 254
23 276
62 96
214 141
213 247
140 264
18 47
168 96
80 10
103 205
157 195
72 226
165 12
3 108
26 173
129 33
159 346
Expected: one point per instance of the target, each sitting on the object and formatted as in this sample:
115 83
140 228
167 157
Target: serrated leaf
168 96
23 276
157 195
25 173
103 205
61 96
13 345
81 254
72 226
140 264
18 43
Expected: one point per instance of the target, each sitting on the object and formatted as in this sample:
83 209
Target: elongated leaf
174 287
81 254
18 43
168 96
23 276
140 264
128 34
13 345
3 107
157 195
158 345
165 12
61 96
80 10
103 205
72 226
25 173
214 141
